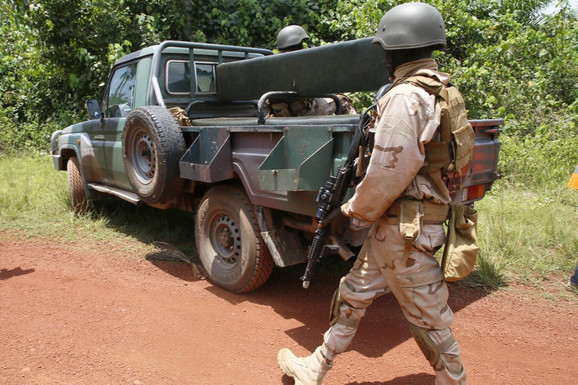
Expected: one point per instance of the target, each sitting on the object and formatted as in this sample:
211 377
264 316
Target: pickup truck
185 125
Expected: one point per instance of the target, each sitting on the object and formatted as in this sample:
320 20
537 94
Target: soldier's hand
339 223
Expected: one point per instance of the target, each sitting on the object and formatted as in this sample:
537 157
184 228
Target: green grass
527 233
527 236
33 196
34 201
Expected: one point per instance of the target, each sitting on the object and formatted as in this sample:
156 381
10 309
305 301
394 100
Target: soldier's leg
443 353
355 293
416 280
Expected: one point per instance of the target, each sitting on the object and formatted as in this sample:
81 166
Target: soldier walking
405 199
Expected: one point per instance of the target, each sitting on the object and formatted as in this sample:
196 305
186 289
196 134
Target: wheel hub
144 158
226 239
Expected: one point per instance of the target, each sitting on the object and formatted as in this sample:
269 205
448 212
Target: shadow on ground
283 291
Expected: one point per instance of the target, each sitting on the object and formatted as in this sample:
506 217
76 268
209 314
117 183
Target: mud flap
283 245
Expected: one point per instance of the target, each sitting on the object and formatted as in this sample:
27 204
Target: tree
509 59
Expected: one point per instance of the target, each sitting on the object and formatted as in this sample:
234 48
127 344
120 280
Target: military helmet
411 25
290 36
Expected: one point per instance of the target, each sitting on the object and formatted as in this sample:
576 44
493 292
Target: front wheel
229 244
76 191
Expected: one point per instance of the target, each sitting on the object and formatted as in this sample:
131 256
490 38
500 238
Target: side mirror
94 111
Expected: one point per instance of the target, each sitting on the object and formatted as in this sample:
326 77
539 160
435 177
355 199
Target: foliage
529 235
509 60
23 75
538 162
75 42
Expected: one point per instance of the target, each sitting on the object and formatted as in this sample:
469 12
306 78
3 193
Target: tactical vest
454 149
451 153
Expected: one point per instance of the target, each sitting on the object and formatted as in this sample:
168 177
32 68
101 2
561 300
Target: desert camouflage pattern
310 107
388 262
181 116
301 107
414 278
346 103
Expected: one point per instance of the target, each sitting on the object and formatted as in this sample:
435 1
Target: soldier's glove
338 222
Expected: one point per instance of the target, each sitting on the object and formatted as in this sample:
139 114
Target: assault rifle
331 195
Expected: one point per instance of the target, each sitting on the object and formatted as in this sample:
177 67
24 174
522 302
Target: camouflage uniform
409 118
301 107
310 107
406 204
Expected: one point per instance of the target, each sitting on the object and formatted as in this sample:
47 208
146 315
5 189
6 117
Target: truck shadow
282 292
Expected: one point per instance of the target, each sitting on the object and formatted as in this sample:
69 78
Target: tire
229 244
152 146
76 191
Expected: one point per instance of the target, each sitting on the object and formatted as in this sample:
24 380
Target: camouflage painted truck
184 125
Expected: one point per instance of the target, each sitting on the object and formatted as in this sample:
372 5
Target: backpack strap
439 153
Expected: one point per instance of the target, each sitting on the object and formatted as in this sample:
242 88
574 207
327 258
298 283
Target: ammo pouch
410 214
461 247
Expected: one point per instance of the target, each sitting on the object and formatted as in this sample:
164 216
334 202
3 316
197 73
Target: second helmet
291 36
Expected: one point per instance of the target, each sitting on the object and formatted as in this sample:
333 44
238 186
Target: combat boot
308 370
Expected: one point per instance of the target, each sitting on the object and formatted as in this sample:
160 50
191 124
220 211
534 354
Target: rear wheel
76 191
229 244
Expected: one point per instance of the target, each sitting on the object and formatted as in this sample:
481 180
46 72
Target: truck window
178 75
120 97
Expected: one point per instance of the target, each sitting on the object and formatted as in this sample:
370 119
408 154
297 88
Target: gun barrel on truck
185 125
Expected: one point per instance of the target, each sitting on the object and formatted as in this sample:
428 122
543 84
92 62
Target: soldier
405 202
292 38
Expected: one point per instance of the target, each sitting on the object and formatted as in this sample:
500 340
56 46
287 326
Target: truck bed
283 162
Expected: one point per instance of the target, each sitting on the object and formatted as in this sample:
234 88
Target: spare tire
152 146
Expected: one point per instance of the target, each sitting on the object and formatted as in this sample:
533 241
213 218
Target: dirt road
95 313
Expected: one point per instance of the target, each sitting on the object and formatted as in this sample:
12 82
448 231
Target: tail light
472 193
481 172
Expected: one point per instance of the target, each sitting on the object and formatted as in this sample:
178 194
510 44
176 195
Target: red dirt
95 313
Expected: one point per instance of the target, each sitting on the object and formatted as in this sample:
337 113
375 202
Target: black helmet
291 36
411 25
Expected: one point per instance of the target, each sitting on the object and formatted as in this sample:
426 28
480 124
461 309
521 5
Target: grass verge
525 236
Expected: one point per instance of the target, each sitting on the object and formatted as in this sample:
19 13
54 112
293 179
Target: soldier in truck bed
292 38
405 200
